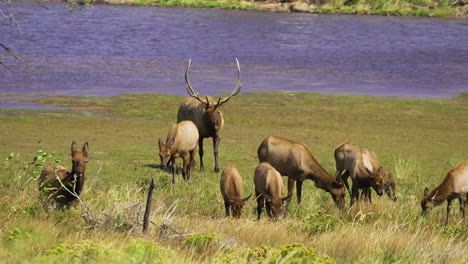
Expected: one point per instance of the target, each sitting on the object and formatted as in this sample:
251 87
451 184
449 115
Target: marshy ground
417 140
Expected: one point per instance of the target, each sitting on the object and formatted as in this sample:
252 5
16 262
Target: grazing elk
62 185
231 188
294 160
389 188
206 114
454 185
181 142
268 188
363 167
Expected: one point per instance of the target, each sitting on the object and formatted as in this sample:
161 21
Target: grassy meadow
416 139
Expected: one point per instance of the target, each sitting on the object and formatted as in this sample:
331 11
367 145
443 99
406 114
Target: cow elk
61 185
294 160
206 114
231 189
268 190
181 142
454 186
365 171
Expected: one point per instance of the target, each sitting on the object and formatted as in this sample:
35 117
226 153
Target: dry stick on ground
87 216
148 205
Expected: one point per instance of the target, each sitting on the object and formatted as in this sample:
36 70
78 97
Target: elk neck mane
320 176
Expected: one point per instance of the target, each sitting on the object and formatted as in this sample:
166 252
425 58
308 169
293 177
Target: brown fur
181 142
294 160
206 114
454 186
231 188
365 171
74 180
268 188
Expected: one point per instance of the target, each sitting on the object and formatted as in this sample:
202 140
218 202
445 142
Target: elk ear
380 170
247 198
85 147
390 176
73 147
160 142
426 191
170 142
287 198
267 197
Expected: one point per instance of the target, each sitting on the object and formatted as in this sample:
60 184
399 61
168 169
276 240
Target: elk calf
72 181
206 114
181 142
293 159
231 188
268 187
363 167
454 185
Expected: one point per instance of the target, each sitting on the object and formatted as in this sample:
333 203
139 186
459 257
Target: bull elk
294 160
231 187
69 185
268 190
454 186
206 114
181 142
365 171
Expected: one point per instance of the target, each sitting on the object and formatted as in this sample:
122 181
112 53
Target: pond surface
109 50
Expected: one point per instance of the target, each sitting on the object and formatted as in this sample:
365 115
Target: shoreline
429 8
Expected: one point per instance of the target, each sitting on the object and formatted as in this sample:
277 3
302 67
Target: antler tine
190 90
237 88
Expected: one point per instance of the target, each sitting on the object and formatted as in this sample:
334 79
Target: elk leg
260 201
268 209
449 207
344 178
299 191
216 141
226 206
200 152
290 190
462 206
186 167
191 162
173 170
354 194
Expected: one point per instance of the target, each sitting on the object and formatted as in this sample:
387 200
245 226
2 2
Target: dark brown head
377 183
276 205
427 202
213 116
79 158
165 150
338 192
237 205
390 187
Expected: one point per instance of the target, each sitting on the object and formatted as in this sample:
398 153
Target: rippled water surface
109 50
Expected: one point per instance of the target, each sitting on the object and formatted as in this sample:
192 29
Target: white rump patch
366 161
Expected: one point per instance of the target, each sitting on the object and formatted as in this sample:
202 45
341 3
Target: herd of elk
58 184
200 118
365 171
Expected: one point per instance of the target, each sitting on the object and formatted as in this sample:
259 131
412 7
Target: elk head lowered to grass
231 187
454 185
206 114
65 191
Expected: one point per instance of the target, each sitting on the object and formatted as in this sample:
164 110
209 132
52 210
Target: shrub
321 222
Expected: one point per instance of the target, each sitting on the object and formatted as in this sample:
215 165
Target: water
109 50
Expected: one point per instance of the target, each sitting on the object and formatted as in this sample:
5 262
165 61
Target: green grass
416 139
233 4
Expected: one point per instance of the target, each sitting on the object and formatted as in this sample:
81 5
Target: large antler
236 89
190 89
